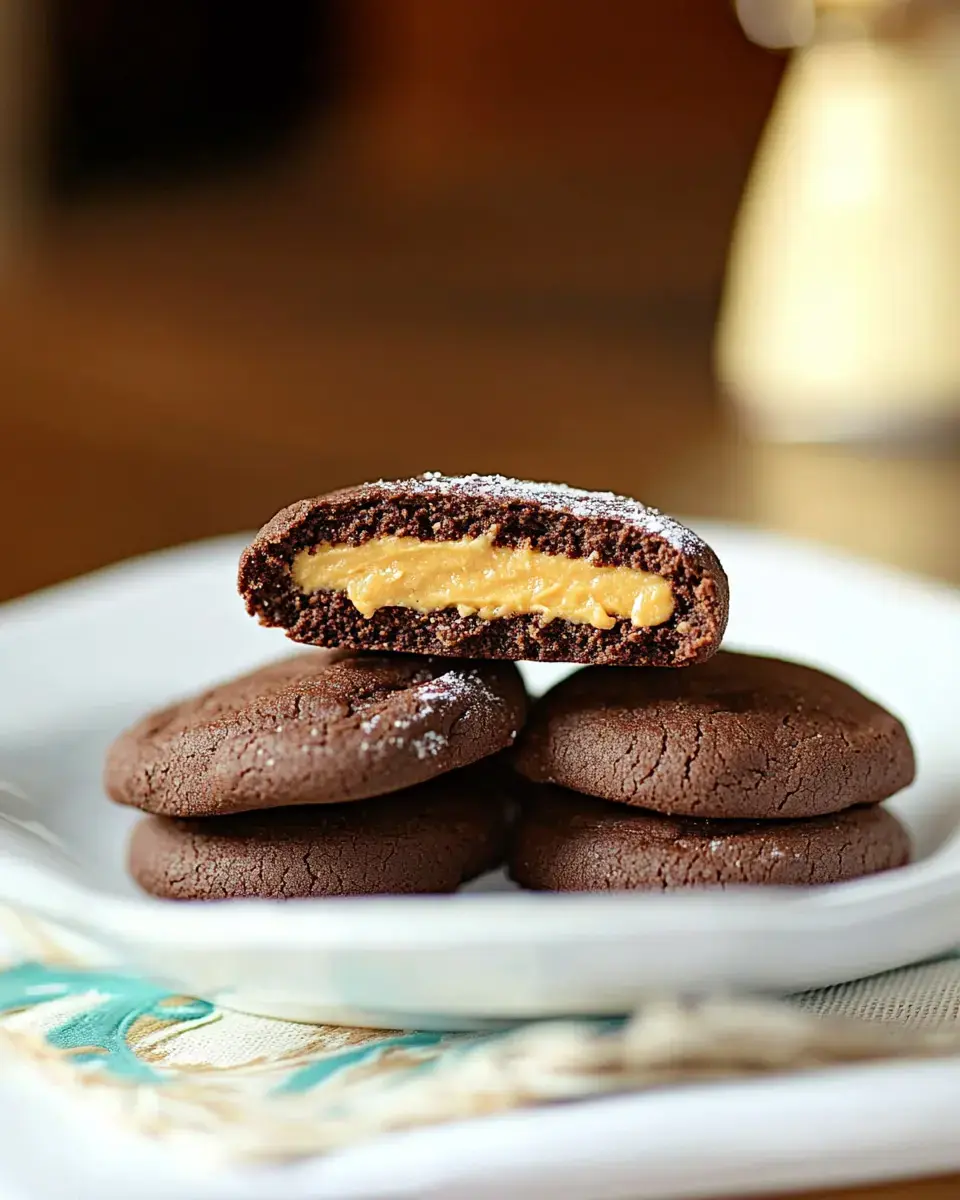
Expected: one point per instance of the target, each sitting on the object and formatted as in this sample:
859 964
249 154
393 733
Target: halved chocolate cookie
738 736
569 843
430 838
487 567
319 728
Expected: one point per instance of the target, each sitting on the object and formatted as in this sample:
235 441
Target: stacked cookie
742 770
376 765
327 774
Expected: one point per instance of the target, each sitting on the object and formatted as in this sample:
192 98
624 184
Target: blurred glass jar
841 313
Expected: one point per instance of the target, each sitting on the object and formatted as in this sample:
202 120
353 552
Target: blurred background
250 254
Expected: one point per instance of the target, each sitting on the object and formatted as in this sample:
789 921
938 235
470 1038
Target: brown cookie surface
738 736
319 728
587 539
566 842
430 838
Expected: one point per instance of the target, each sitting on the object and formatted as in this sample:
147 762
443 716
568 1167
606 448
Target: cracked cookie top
564 842
738 736
319 728
426 839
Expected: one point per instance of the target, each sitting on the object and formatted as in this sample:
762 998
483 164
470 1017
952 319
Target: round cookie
738 736
320 728
430 838
568 843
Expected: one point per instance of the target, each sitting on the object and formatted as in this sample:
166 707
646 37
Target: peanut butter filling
480 579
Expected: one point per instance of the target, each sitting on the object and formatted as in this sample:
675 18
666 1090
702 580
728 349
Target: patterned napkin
182 1068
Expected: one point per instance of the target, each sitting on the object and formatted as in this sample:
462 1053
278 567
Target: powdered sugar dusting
579 502
458 691
460 688
429 745
459 685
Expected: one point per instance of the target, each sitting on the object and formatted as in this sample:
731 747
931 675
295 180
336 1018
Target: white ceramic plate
79 662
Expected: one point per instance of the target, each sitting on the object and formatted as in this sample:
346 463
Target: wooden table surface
178 371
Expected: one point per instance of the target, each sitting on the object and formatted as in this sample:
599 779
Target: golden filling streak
480 579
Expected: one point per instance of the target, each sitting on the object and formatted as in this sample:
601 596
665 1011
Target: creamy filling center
480 579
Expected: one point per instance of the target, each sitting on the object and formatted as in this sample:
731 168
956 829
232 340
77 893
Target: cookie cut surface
487 567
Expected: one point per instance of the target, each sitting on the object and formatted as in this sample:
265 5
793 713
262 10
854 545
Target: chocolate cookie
319 728
739 736
487 567
569 843
430 838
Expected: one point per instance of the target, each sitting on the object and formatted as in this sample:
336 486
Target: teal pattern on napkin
98 1034
250 1087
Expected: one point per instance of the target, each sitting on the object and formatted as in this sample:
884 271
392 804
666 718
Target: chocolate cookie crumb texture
487 567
